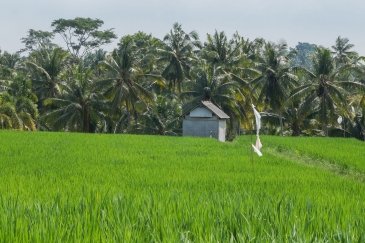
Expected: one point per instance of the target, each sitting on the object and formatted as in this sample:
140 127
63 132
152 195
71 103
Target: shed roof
213 108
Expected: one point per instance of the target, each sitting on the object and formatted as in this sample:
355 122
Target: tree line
145 85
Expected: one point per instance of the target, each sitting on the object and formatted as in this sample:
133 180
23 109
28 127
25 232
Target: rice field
346 152
64 187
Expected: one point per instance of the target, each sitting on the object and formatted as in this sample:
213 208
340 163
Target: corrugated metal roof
218 112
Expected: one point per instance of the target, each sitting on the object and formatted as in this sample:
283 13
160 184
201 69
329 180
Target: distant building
206 120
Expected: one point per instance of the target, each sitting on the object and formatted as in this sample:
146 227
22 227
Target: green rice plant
65 187
345 152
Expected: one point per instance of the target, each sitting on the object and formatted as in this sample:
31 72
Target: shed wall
201 127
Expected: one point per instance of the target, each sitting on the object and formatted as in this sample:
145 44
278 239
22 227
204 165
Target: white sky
314 21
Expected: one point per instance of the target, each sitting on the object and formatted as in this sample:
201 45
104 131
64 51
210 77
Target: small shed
206 120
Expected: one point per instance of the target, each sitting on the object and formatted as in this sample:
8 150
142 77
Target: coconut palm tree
122 85
219 51
298 115
9 64
162 117
274 79
92 61
9 118
8 60
357 103
178 55
47 66
324 90
123 72
80 105
342 51
18 109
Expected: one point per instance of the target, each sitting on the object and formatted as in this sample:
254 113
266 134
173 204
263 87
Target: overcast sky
314 21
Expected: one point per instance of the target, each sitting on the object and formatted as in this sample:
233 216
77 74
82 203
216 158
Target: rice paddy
64 187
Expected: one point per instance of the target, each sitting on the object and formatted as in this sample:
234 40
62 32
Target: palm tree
47 66
80 105
122 85
18 109
162 117
178 54
252 49
9 118
4 84
274 78
9 64
342 51
324 90
298 115
219 51
357 103
9 60
92 61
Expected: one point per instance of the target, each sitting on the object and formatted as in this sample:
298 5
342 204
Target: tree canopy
146 84
82 35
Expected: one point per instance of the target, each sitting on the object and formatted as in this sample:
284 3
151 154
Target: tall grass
110 188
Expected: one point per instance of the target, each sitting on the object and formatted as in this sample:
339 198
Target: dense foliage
146 84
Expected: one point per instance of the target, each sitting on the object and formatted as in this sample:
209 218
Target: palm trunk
85 120
324 116
296 129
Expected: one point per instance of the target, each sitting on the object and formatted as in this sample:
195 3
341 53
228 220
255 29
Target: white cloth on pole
339 120
258 152
257 119
258 144
257 147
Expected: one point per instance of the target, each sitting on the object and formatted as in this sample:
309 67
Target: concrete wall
205 127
